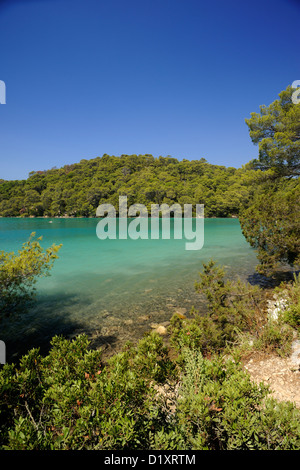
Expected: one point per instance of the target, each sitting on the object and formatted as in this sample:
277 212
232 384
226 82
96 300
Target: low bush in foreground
199 397
239 313
139 400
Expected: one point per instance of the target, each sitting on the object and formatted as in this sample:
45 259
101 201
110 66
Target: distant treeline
76 190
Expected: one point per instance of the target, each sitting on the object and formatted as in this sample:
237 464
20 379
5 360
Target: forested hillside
76 190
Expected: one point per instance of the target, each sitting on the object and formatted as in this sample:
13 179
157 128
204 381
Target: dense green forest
76 190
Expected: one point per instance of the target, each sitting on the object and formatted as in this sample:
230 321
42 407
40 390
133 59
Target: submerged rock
144 317
160 328
181 311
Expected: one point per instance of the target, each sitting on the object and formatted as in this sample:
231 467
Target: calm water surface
114 289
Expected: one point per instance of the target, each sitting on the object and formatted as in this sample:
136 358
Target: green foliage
291 293
272 225
292 316
237 317
221 409
200 333
270 222
230 302
71 400
233 307
275 337
68 400
277 131
19 272
76 190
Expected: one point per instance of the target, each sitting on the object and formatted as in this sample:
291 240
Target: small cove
113 290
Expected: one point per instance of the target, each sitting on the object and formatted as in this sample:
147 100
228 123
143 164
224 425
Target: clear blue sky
164 77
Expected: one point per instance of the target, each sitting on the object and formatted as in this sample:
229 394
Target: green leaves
73 401
19 272
77 190
221 409
271 222
62 402
272 225
277 132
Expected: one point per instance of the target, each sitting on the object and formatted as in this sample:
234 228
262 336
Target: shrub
292 316
233 307
221 409
276 337
291 291
69 400
200 333
19 273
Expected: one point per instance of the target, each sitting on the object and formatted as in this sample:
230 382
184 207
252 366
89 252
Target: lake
114 289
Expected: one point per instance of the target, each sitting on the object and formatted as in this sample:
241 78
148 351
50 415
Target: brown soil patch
282 375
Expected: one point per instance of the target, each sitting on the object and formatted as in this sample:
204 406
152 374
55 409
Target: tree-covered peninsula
76 190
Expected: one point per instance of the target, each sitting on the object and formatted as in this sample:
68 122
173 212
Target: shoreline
81 217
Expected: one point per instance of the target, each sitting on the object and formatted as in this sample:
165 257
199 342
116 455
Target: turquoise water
114 289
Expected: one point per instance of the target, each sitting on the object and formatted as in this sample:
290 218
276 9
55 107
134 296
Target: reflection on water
114 289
